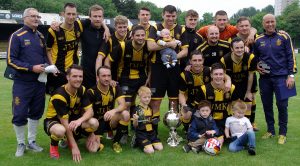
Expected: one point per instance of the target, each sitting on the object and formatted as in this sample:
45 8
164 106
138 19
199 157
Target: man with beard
134 59
103 97
213 49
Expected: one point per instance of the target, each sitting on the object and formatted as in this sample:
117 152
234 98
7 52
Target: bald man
276 65
213 49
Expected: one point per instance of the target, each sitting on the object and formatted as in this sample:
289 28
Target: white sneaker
34 147
20 150
168 66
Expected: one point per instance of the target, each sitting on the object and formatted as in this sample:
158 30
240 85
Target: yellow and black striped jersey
238 71
103 101
64 45
145 118
177 32
213 54
107 48
64 105
148 30
218 98
191 82
132 62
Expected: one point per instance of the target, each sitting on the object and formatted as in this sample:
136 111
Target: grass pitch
268 151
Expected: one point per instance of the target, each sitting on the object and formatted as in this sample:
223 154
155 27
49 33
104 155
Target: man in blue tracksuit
26 54
276 65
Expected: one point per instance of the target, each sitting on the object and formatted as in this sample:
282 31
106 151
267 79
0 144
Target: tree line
288 21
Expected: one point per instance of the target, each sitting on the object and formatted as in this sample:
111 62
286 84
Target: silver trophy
172 120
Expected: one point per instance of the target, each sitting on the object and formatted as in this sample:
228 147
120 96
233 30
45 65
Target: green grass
268 151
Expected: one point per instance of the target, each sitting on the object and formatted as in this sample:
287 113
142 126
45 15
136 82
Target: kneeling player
146 137
69 113
103 97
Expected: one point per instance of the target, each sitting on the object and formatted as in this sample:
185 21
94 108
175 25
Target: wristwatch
292 75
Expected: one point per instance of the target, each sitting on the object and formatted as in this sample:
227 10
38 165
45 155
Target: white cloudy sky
202 6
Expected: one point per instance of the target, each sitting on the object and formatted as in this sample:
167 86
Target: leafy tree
207 19
268 9
289 21
5 4
256 22
181 18
155 11
247 12
127 8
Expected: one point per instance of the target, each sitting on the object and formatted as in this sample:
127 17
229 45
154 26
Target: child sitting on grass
202 128
239 129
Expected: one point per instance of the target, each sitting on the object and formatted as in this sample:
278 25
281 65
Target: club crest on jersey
177 36
221 53
195 40
27 42
127 55
206 79
213 54
262 44
210 97
78 100
78 34
278 42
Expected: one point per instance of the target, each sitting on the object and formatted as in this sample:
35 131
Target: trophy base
174 139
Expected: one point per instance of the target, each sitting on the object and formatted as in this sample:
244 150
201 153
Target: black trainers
251 151
186 148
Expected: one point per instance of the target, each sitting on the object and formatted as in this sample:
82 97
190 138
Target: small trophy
172 120
264 66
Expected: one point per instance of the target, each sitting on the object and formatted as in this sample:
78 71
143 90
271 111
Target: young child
202 127
167 54
146 137
240 128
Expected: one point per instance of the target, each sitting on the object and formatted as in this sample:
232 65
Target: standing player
91 40
103 97
194 39
240 66
144 17
94 31
27 55
133 58
163 79
213 49
62 46
69 113
227 31
244 27
219 98
118 38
